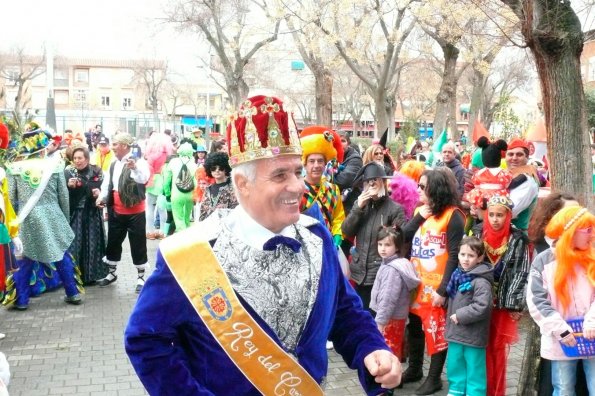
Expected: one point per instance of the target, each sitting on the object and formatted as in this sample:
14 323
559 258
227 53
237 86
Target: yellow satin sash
264 363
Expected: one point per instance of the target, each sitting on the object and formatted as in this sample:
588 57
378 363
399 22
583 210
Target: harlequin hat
518 143
321 140
502 201
34 141
261 129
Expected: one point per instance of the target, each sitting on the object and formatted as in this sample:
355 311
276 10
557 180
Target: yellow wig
562 228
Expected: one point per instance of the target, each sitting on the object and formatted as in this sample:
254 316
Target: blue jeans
564 376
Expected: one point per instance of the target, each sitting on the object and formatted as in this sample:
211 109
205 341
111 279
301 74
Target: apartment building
111 93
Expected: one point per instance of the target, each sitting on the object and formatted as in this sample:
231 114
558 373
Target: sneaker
329 345
74 300
105 281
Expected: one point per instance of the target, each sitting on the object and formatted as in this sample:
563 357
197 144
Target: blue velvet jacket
173 353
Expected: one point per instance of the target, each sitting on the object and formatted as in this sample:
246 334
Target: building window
80 95
61 97
127 103
61 77
592 69
81 76
105 101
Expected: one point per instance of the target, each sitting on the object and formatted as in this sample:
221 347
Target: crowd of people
314 243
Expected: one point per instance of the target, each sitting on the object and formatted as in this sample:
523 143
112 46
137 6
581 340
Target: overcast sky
121 29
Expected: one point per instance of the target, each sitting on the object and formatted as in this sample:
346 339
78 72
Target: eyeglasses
421 186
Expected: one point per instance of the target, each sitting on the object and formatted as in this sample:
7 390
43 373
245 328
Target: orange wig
413 169
562 228
202 181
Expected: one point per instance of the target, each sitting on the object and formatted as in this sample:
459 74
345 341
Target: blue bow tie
277 240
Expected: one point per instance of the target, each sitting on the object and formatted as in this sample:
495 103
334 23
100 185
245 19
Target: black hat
103 140
372 170
491 154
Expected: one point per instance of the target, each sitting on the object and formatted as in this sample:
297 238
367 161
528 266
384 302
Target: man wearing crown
243 302
320 146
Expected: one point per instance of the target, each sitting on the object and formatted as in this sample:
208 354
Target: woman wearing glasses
435 231
377 154
218 195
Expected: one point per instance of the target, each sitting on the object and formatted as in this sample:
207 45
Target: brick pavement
58 349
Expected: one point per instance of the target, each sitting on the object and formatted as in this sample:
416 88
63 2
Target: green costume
182 203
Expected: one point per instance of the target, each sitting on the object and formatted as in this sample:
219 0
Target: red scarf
496 241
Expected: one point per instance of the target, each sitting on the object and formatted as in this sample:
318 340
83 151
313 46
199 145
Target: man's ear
241 183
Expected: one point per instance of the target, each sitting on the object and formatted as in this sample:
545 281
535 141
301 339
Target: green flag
440 141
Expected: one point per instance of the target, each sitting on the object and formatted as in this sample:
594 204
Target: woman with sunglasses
377 154
218 195
436 231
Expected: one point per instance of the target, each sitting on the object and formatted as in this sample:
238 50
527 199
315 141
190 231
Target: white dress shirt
245 228
140 175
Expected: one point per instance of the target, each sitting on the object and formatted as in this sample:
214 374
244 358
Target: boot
414 371
433 383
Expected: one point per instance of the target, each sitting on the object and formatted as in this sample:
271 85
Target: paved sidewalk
58 349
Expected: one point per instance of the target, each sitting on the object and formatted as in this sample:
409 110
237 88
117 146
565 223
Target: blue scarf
459 281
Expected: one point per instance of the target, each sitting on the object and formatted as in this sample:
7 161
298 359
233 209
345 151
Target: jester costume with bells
323 194
38 192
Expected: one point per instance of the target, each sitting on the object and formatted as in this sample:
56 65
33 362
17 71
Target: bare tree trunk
380 112
323 80
553 33
448 89
479 82
390 107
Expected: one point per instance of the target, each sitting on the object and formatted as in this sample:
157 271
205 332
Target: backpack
184 180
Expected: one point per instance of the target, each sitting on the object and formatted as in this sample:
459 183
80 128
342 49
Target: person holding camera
373 209
86 219
123 191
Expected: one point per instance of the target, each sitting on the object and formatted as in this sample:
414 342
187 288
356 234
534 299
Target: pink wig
404 192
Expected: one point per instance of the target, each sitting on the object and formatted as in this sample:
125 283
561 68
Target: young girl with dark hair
391 293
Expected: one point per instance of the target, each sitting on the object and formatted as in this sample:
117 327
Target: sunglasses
421 186
217 168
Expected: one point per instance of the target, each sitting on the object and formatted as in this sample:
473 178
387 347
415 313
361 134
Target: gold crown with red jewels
261 129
